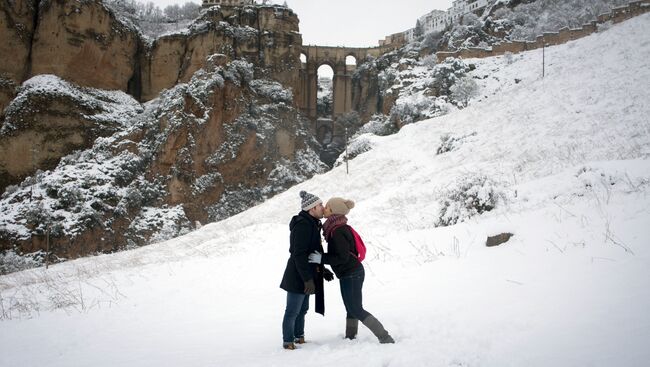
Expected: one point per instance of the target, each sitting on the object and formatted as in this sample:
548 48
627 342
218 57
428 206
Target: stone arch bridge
341 81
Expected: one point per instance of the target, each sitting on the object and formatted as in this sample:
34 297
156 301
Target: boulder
51 118
498 239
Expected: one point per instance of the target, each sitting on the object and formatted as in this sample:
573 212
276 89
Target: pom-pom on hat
309 200
340 206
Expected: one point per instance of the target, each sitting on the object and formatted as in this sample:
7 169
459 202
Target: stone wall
564 35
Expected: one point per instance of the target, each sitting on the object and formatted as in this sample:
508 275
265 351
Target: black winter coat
341 252
304 239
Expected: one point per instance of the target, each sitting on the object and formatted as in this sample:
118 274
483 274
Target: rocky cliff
265 36
87 167
202 151
87 44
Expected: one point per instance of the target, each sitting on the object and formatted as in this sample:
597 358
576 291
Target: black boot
378 329
351 328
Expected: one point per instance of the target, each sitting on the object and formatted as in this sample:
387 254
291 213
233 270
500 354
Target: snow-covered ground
567 156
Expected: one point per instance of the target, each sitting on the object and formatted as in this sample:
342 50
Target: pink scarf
334 221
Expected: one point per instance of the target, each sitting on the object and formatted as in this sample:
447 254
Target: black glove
310 287
327 275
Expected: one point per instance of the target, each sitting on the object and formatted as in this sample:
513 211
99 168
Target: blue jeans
293 323
351 291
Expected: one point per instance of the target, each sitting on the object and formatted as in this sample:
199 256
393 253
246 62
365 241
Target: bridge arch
335 57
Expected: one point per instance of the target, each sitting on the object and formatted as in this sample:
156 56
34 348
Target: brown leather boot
289 346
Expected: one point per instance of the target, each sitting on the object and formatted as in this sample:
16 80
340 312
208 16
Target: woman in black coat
342 255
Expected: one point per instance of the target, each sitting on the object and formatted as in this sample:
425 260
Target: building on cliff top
438 20
208 3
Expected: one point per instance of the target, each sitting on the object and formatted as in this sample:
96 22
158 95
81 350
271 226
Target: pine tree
419 30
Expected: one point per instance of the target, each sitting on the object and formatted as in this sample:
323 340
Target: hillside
564 160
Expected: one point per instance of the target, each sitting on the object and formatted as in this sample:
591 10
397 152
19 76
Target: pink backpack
358 242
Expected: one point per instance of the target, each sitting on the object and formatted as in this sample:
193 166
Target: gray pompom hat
308 200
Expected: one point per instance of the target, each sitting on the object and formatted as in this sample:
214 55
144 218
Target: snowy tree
419 30
464 90
173 12
431 41
190 10
508 57
471 20
430 61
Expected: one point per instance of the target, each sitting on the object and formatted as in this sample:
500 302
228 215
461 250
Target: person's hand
310 287
327 275
315 257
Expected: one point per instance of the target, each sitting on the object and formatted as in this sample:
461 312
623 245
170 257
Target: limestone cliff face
17 22
368 97
83 42
8 91
265 36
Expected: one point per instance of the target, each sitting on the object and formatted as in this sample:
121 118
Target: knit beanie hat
340 206
309 200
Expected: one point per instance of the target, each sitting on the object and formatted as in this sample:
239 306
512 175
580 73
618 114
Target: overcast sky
358 23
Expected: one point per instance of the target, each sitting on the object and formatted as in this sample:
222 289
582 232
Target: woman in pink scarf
342 256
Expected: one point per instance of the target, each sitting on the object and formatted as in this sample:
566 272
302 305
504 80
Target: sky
358 23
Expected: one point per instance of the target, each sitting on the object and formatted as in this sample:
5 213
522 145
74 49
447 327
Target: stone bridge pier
341 82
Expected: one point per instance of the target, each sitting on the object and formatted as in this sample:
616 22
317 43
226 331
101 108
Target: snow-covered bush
463 90
165 223
11 262
378 125
447 73
239 72
471 32
450 142
272 90
605 26
508 56
431 41
430 61
471 20
356 146
468 196
387 78
413 109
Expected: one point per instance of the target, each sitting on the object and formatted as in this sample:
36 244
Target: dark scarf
335 220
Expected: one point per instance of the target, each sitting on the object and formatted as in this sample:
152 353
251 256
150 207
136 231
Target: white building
438 20
208 3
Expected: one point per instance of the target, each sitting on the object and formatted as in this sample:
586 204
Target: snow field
571 155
